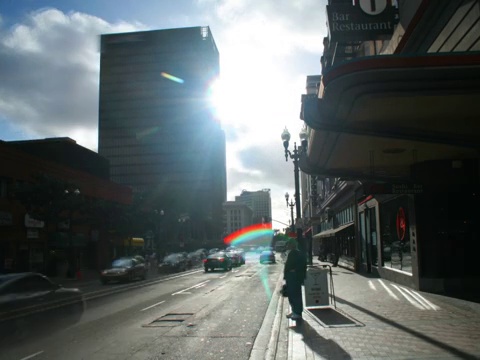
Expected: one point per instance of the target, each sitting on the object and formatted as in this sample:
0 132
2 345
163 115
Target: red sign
401 224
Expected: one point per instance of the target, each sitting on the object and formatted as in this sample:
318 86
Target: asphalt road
191 315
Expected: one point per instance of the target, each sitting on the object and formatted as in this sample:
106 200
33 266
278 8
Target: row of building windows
346 215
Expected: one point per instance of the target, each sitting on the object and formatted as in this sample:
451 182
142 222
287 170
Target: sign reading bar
372 20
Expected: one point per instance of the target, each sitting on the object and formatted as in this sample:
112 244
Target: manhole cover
170 319
247 274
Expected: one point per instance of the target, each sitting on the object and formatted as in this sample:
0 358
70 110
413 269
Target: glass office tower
157 126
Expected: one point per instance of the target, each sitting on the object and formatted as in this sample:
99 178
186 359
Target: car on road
175 262
219 260
267 256
124 269
241 254
235 257
30 301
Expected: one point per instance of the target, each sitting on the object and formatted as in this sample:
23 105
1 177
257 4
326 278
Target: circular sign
401 224
373 7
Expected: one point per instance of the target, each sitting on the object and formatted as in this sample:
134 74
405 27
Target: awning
331 232
376 116
134 242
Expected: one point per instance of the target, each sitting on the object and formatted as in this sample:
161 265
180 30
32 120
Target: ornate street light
74 260
295 156
292 204
158 238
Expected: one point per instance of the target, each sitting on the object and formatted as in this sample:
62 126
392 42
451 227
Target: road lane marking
390 292
371 285
191 287
110 291
151 306
33 355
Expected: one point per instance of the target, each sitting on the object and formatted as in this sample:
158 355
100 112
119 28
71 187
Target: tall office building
260 202
237 216
157 126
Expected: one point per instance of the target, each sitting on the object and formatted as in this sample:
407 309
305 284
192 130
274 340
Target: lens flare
254 233
171 77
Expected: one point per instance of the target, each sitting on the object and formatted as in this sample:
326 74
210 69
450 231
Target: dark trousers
294 291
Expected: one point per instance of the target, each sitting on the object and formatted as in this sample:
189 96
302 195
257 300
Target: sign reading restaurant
366 20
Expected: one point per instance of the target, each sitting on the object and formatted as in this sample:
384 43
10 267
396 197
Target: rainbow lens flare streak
255 234
252 233
171 77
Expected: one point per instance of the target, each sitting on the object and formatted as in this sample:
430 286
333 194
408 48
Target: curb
265 345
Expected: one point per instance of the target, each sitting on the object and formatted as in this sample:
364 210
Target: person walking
294 274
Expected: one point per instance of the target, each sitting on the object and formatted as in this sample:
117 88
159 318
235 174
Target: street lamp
184 234
74 263
159 213
295 156
292 204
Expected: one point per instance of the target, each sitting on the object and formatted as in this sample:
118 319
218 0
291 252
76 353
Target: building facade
260 202
157 126
237 216
394 123
69 230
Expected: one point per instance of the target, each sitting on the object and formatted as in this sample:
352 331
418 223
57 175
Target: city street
189 315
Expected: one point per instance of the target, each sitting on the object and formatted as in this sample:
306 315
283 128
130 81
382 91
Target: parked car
124 269
174 263
31 302
195 258
267 256
213 251
218 260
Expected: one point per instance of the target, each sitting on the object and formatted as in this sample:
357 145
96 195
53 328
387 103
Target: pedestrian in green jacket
294 274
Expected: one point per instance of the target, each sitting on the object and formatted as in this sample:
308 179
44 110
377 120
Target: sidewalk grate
333 318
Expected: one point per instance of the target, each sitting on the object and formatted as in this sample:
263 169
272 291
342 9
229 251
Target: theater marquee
367 20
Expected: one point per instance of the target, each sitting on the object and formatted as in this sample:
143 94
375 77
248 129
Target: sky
50 62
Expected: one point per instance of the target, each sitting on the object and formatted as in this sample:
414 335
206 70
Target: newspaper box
316 287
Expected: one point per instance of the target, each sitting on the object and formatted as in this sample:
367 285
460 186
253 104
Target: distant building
260 202
236 216
157 126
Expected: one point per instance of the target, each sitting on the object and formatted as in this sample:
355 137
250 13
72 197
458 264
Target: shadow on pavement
330 317
325 348
454 351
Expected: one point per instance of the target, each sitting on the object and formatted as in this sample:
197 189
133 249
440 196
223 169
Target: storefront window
396 250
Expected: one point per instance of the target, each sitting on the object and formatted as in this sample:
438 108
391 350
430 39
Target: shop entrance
369 238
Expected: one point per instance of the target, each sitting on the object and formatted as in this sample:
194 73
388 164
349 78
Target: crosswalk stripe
390 292
422 300
410 299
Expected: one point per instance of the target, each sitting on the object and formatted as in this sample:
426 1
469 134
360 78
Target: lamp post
158 238
292 204
295 156
184 234
74 263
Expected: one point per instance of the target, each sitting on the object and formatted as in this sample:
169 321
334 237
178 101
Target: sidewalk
378 319
84 278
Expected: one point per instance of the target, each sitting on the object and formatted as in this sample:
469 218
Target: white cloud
50 70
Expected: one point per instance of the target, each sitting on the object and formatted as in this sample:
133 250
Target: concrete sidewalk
378 319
